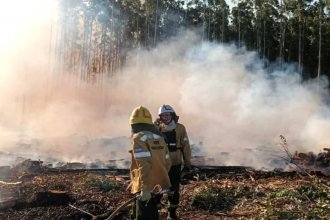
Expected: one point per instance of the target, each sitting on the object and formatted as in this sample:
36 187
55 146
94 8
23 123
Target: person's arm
186 150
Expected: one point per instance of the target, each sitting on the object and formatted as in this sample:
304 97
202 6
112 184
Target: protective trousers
175 176
146 210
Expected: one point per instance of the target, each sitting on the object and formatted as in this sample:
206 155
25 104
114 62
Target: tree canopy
95 35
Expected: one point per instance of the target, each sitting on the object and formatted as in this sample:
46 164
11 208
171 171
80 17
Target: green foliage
105 185
309 201
215 198
314 192
102 30
286 215
284 193
306 201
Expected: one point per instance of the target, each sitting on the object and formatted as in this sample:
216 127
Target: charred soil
205 194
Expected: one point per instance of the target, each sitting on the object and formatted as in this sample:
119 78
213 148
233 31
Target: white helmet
165 109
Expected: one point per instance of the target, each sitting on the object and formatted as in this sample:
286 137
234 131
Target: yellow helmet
140 115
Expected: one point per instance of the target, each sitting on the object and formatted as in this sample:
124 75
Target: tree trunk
320 42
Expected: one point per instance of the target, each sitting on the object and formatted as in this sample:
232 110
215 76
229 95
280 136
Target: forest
95 36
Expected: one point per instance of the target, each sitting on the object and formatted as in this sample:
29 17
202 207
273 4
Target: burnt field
208 192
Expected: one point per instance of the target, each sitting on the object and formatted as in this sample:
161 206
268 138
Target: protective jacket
178 144
150 161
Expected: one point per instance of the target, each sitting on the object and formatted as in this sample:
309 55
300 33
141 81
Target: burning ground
31 190
233 106
225 96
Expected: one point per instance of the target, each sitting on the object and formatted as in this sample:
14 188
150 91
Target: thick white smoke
229 102
234 109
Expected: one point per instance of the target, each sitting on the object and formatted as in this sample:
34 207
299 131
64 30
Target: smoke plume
234 108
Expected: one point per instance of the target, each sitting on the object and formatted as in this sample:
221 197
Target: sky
233 108
230 3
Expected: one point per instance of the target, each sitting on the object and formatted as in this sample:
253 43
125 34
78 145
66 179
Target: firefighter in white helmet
150 164
178 143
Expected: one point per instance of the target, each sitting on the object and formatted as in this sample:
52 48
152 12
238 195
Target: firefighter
179 147
150 164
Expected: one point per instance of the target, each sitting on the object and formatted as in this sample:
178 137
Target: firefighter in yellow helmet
150 164
180 152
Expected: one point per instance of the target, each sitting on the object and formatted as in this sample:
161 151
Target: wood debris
207 192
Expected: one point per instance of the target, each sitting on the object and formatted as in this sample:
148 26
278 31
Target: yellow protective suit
183 152
150 162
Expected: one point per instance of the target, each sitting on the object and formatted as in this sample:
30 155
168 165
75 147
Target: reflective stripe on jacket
150 162
183 152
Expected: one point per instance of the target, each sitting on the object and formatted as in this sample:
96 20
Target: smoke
233 108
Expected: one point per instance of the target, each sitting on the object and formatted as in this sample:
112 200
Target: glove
145 195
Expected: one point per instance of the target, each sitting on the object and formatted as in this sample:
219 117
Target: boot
172 214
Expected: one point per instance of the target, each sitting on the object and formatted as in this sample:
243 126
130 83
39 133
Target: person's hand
157 122
145 195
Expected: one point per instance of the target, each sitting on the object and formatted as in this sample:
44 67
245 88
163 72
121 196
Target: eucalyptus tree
326 38
236 23
132 24
150 8
243 19
297 13
94 36
218 20
135 16
68 37
89 12
282 24
267 17
77 46
225 13
320 18
194 13
156 21
314 37
171 16
100 39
